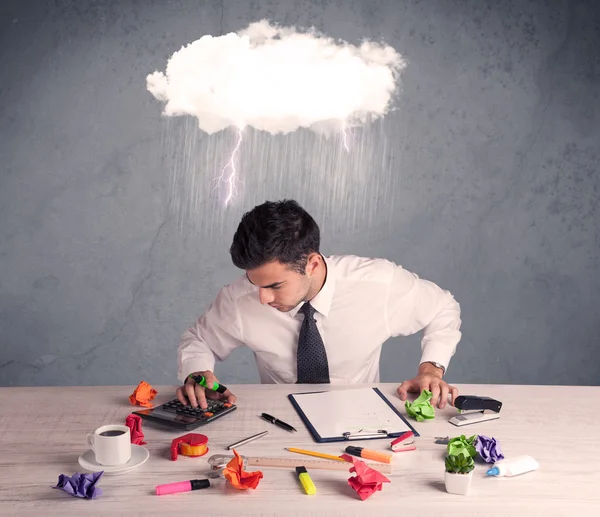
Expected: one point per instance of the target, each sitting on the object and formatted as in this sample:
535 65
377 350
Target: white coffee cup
111 444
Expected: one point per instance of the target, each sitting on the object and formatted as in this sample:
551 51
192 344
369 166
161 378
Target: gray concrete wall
484 180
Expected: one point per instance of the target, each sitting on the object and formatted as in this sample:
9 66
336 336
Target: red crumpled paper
367 480
235 474
143 394
134 422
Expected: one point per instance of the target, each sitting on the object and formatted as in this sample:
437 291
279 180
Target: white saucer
139 455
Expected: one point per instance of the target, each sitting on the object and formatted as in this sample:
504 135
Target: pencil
317 454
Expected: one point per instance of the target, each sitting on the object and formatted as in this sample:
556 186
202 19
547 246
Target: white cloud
277 79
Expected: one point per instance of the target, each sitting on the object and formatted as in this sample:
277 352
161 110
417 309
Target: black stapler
474 409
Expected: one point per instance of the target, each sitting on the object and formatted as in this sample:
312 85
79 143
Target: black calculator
175 414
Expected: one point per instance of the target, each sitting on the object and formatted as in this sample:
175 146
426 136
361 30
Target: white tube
513 466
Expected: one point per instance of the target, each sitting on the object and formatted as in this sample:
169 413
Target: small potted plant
459 473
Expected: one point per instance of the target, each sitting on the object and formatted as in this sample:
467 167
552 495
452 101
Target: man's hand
429 378
194 394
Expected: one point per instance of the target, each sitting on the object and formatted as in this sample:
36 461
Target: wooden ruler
292 463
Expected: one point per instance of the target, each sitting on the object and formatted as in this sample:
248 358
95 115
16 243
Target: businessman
309 318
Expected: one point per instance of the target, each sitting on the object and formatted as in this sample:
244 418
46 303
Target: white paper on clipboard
330 414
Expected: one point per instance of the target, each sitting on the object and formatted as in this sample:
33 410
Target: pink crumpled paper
367 480
134 422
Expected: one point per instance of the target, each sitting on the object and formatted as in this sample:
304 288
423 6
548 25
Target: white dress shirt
363 302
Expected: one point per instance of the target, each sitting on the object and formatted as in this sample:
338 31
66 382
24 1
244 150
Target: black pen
278 423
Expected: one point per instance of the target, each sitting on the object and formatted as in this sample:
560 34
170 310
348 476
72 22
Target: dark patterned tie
313 367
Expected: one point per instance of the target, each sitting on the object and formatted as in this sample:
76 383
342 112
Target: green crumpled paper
421 408
462 445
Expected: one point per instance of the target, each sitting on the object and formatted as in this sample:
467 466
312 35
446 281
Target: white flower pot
458 483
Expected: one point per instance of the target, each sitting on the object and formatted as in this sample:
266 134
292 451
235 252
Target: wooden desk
42 433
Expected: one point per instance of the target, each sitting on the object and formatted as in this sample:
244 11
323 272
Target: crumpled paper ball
143 394
462 445
239 478
367 480
80 485
134 422
421 408
488 449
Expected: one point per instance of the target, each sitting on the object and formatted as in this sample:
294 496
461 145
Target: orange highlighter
369 454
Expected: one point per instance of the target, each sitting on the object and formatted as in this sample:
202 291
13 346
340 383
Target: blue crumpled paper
80 485
488 449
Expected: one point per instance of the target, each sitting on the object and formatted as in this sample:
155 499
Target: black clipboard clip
365 436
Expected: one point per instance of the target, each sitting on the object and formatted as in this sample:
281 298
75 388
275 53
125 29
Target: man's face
279 286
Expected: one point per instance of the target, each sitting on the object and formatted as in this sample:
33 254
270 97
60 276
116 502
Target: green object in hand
461 445
421 408
200 379
459 464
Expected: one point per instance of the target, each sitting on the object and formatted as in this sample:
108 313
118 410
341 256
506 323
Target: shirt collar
322 301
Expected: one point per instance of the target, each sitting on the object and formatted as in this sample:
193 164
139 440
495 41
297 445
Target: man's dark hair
276 230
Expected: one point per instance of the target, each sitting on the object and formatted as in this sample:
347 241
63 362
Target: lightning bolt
230 178
345 133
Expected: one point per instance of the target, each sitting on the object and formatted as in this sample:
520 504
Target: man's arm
213 337
416 305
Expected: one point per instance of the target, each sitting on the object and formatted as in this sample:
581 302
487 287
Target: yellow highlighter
307 484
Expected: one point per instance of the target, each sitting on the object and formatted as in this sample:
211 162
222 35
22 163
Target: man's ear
312 263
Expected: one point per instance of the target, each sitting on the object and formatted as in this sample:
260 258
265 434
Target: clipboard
352 414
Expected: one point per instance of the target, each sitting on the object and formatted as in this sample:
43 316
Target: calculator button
227 405
208 414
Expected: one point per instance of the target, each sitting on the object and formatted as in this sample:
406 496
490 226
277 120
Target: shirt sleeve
213 337
415 305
